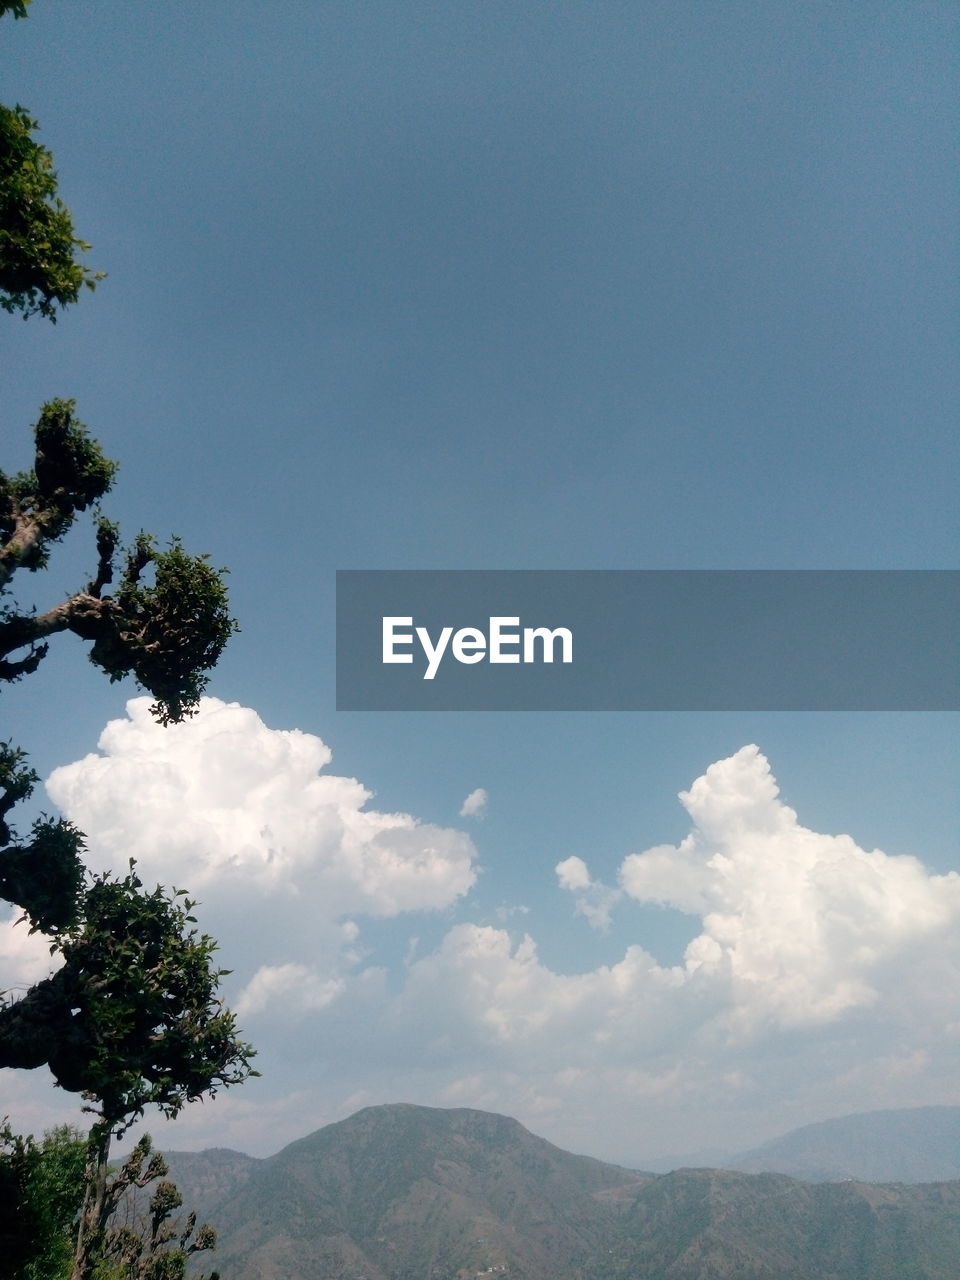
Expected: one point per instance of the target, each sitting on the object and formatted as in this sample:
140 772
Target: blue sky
518 285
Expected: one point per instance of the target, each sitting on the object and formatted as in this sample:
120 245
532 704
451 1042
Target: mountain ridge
402 1192
910 1145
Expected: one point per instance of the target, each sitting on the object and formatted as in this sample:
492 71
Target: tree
153 1245
132 1017
41 1187
39 269
150 1030
39 251
41 1195
166 629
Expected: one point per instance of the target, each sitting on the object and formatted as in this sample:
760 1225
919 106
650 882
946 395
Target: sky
529 285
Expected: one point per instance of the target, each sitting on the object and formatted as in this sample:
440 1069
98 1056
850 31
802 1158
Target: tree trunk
96 1210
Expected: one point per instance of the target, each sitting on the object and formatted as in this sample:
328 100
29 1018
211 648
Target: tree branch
83 614
23 546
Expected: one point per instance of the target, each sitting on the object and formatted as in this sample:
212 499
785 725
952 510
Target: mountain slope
707 1224
403 1190
416 1193
921 1144
210 1177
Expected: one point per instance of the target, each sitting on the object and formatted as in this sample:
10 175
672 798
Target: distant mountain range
404 1192
918 1145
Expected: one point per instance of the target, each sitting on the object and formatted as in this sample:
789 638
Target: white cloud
475 804
223 802
798 923
24 956
814 959
823 978
573 874
506 911
287 988
595 900
282 855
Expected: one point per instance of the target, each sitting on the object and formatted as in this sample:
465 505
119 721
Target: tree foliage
43 876
166 623
39 268
41 1188
168 620
143 1237
155 1244
132 1017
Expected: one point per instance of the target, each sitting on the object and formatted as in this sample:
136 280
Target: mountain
921 1144
416 1193
705 1158
211 1176
709 1224
405 1191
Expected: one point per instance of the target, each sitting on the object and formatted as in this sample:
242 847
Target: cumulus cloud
289 987
797 928
813 958
797 924
281 853
24 956
496 992
223 801
595 900
823 977
475 805
573 874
